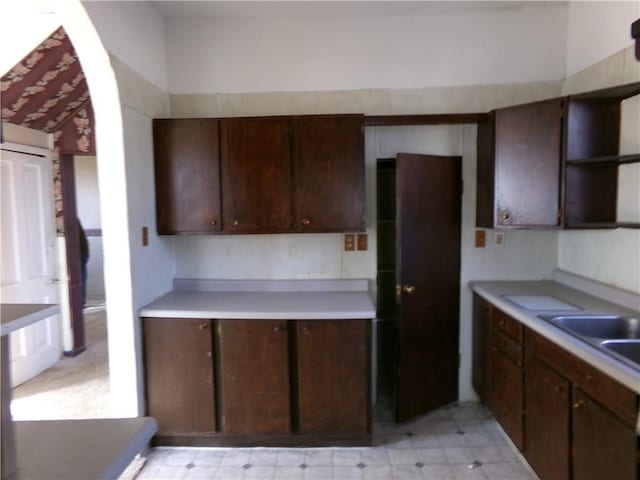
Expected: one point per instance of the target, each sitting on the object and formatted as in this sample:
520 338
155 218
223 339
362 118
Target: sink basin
599 326
627 348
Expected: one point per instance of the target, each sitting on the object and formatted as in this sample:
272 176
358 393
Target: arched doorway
109 146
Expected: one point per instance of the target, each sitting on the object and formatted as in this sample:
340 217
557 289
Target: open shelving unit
592 159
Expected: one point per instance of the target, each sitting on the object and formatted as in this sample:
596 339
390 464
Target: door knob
408 289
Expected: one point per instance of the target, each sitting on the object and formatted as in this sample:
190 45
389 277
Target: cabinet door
254 376
187 175
547 397
256 177
329 173
179 374
527 164
333 377
603 446
507 396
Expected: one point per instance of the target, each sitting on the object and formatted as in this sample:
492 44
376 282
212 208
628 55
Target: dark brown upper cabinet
592 159
519 166
187 176
256 178
329 173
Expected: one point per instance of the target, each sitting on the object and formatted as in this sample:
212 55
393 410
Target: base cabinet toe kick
258 382
569 419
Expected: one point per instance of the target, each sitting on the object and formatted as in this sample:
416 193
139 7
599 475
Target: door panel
187 175
28 259
333 376
178 357
256 179
254 376
428 226
329 173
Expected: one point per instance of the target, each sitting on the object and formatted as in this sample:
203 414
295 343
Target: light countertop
293 300
98 449
495 292
18 315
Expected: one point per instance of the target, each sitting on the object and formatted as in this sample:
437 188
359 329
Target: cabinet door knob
306 221
579 404
203 326
504 218
213 222
235 223
559 389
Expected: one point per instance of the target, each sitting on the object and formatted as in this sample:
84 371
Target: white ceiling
291 9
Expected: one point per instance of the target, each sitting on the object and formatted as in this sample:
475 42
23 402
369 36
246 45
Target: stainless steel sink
627 348
600 326
615 335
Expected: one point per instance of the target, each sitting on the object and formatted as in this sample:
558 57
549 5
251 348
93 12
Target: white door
28 267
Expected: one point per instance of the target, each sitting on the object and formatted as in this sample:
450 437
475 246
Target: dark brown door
428 224
603 446
333 376
547 397
254 376
256 175
187 174
329 173
179 374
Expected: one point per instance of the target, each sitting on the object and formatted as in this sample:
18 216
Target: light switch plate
480 239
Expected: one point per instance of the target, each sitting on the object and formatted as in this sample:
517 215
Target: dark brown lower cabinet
569 419
258 382
253 358
179 375
604 447
333 377
547 421
507 382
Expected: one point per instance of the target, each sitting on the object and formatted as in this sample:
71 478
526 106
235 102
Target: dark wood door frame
74 269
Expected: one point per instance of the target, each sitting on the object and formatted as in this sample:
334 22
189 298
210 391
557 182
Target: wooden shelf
608 159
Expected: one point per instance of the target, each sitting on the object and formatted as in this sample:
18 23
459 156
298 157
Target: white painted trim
17 134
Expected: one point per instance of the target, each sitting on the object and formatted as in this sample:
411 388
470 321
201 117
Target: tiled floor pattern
460 441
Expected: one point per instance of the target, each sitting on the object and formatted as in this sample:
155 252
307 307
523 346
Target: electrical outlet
480 240
362 241
349 242
498 239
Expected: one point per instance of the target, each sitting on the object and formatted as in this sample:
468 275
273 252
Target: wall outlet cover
498 239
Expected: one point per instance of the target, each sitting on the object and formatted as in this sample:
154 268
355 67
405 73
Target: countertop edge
22 321
608 365
241 305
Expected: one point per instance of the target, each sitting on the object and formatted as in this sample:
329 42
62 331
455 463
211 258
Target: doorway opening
47 92
387 306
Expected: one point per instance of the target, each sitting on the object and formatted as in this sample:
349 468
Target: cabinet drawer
507 379
617 398
508 325
509 347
